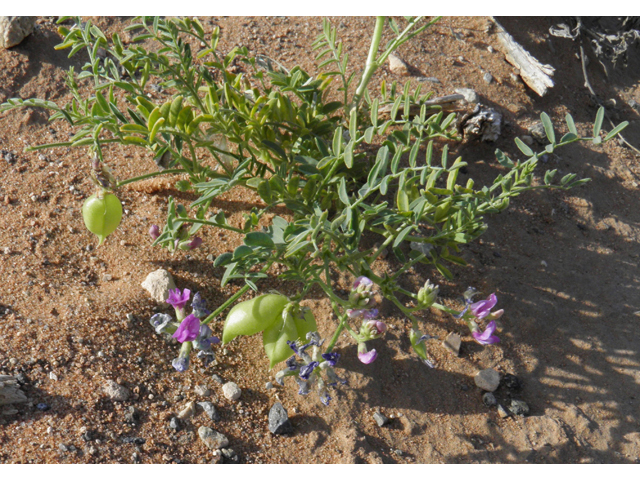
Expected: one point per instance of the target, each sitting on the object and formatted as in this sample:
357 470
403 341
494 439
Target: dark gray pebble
519 407
279 422
43 407
217 378
134 440
511 382
132 416
489 399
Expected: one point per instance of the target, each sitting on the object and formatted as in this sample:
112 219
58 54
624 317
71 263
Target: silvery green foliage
339 165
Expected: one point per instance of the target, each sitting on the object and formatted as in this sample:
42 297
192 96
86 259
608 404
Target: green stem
336 334
233 298
174 171
371 64
206 222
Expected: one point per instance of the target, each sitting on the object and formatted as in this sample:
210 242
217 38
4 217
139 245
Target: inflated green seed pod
253 316
102 213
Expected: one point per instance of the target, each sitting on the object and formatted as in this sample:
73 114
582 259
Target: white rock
188 411
116 392
158 284
15 29
398 66
488 380
470 95
10 391
231 391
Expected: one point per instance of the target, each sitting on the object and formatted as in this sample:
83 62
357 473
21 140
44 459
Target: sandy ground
563 265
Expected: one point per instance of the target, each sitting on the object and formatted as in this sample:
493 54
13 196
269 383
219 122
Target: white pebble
231 391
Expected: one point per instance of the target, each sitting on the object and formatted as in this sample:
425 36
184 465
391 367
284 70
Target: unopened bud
154 232
428 294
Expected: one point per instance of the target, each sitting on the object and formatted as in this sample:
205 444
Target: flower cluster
182 242
308 368
363 301
481 311
188 330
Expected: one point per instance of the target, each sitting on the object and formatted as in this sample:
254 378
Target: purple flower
487 337
331 358
368 357
195 243
364 281
189 244
364 356
181 364
179 300
363 313
160 321
188 329
307 370
483 308
199 306
154 232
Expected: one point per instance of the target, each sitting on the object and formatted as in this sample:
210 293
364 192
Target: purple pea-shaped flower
188 329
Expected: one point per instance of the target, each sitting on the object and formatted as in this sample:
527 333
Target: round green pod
253 316
102 214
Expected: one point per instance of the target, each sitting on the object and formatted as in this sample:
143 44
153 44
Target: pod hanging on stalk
102 213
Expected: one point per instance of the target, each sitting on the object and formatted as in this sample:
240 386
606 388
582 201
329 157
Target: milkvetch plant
345 163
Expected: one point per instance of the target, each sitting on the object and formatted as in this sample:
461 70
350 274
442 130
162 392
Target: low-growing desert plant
344 163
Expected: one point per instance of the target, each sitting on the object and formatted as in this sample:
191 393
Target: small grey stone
470 95
398 452
489 399
519 407
380 419
217 457
279 422
268 385
490 49
174 424
116 392
217 378
214 440
527 139
210 409
107 277
158 283
503 412
488 380
231 391
230 455
135 458
538 133
633 104
202 390
487 77
15 29
62 447
131 416
452 343
511 381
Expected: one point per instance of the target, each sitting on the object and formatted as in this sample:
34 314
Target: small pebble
214 440
503 412
519 407
174 424
380 419
527 139
131 416
279 422
487 77
202 391
188 411
217 378
53 376
488 379
231 391
453 343
107 277
511 381
268 385
43 407
115 392
489 399
210 409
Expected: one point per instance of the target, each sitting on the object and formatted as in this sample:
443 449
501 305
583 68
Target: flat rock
503 412
158 283
10 391
398 66
488 380
470 96
231 391
212 439
116 392
452 343
279 422
15 29
380 419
